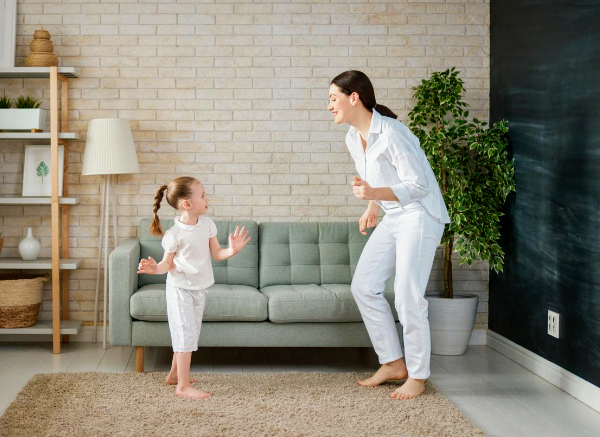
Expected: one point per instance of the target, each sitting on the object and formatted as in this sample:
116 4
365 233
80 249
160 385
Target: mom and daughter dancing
394 176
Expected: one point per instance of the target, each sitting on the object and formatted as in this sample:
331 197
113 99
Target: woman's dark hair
354 81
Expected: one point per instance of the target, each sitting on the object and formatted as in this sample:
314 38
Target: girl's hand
361 189
147 266
238 240
368 220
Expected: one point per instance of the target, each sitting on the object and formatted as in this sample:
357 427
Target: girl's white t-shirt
193 268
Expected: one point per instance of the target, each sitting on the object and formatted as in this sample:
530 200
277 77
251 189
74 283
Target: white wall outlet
553 319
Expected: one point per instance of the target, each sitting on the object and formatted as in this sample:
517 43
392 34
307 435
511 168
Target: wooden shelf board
37 136
70 327
37 201
38 264
35 72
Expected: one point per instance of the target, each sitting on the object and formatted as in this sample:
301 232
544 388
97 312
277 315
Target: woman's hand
147 266
238 239
368 219
361 189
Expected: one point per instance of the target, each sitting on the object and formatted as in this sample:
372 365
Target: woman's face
340 105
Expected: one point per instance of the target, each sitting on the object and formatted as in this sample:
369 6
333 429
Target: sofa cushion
309 253
223 303
242 269
316 303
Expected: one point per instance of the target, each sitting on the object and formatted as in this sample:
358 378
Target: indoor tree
471 163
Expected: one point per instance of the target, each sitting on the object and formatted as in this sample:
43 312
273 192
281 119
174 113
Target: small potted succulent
21 114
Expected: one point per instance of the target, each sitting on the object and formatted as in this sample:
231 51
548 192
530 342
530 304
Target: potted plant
5 102
471 164
26 114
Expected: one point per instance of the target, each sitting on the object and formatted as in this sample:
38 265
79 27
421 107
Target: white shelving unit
59 263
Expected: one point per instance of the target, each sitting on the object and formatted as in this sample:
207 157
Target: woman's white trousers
403 243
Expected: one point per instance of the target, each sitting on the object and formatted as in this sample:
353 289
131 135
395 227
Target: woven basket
38 59
41 45
41 34
20 301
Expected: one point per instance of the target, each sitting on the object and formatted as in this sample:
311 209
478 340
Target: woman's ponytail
384 110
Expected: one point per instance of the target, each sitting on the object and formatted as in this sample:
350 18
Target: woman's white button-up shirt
394 158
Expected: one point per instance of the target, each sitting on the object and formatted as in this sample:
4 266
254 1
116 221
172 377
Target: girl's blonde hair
178 189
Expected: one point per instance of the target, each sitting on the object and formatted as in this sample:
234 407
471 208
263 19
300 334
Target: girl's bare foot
409 390
392 370
172 379
191 392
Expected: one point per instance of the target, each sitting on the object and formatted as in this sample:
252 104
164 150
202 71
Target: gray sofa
290 286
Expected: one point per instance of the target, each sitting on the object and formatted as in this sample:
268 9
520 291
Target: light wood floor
498 395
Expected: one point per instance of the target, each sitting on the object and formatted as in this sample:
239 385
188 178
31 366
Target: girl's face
198 202
341 105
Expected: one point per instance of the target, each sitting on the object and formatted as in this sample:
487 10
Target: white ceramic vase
29 247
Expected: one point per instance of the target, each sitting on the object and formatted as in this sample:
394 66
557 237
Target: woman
396 176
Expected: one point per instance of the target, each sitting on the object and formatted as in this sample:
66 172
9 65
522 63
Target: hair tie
374 105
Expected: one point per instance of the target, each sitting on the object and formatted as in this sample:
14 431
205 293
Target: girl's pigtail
155 228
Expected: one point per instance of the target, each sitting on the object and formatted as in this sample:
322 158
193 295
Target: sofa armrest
122 283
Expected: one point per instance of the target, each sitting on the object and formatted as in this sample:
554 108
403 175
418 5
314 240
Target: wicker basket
41 45
20 300
41 34
39 59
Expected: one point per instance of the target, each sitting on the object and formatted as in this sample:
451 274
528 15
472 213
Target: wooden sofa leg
139 358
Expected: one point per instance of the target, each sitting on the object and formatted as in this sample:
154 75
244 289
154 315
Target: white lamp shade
109 148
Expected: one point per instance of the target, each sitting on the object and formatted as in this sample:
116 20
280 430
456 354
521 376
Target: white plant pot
451 322
22 119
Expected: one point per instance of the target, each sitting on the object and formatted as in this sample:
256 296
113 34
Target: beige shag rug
274 404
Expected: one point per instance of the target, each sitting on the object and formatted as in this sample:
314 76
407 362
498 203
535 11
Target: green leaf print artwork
42 170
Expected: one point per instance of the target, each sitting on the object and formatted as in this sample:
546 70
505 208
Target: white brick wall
235 93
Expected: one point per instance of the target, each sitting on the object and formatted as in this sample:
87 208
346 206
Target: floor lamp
109 150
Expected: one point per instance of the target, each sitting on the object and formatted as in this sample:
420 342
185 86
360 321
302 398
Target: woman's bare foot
410 389
172 379
191 392
392 370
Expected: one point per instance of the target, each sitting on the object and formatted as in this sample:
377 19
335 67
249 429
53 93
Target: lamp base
107 190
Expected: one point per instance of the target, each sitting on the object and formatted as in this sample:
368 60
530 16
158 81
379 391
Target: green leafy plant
42 170
471 164
27 102
5 102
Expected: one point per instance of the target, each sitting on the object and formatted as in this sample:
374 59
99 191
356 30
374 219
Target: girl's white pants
403 243
185 309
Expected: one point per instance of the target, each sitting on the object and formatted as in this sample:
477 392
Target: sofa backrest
309 253
242 269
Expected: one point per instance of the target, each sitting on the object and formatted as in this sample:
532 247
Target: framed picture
37 170
8 32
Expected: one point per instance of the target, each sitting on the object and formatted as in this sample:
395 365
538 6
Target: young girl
187 261
396 176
